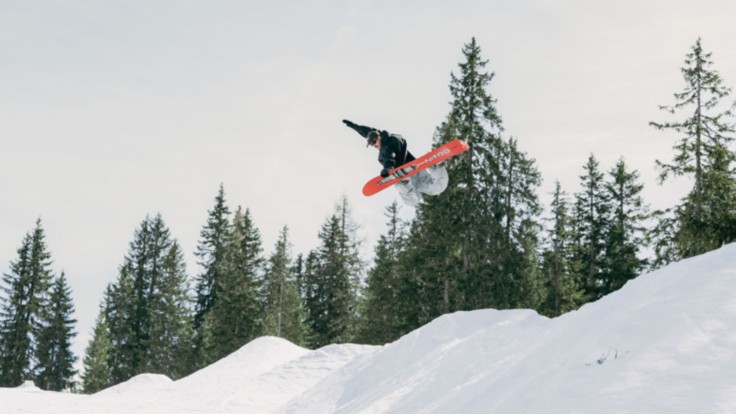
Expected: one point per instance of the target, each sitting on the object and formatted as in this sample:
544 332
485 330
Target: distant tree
285 312
382 319
96 375
592 215
662 238
213 250
236 316
24 306
146 309
119 310
169 347
702 153
55 359
333 280
625 232
559 271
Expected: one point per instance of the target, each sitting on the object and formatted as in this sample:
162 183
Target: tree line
483 243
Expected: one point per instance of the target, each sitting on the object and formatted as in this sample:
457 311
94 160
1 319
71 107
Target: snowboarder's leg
408 193
432 181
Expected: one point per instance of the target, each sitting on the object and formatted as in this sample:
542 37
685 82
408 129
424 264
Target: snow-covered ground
665 343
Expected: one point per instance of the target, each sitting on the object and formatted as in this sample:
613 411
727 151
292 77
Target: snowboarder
393 152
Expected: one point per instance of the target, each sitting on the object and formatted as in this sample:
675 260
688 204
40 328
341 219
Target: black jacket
394 149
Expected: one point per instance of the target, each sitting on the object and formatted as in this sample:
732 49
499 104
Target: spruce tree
702 153
562 285
285 313
625 232
146 309
96 374
592 213
475 245
118 310
169 347
214 251
55 359
24 307
382 318
236 317
333 281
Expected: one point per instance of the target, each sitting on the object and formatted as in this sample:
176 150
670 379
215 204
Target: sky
114 110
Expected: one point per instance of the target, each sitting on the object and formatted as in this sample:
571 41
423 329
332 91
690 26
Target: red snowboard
437 155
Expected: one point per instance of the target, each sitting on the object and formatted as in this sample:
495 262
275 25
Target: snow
665 343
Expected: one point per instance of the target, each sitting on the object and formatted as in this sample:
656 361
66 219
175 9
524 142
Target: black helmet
372 136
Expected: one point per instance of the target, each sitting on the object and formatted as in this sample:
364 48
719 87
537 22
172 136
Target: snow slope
666 342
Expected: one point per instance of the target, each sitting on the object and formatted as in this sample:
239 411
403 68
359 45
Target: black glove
384 173
349 123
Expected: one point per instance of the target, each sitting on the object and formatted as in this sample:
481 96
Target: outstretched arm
362 130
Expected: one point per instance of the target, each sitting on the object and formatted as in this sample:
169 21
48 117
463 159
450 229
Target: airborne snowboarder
393 152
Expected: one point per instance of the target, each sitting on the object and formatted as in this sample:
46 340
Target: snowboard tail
417 165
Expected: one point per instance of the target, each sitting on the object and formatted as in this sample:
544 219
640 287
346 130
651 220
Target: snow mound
28 385
141 383
257 357
271 389
666 342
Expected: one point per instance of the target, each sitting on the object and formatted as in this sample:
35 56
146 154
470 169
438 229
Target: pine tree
520 210
55 367
662 238
625 232
285 313
96 374
333 281
118 303
382 319
562 293
23 308
591 218
236 317
169 348
314 300
214 252
702 153
146 309
475 245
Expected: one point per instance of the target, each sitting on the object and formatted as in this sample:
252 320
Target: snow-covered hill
666 342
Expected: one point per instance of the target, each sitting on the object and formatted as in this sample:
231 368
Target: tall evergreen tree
625 232
55 367
592 213
474 246
169 346
285 313
703 154
146 309
213 250
118 310
24 307
559 271
96 374
333 279
236 317
382 319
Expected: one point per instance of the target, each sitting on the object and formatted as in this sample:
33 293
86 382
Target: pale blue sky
111 110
